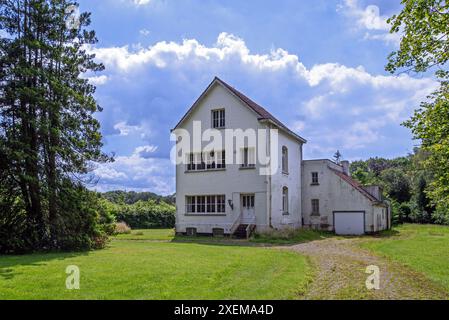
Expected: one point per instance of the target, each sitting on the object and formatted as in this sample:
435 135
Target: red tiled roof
354 184
262 112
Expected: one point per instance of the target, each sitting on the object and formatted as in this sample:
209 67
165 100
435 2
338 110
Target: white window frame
284 160
221 203
218 118
315 175
212 160
315 206
248 158
248 201
190 204
201 204
206 204
285 200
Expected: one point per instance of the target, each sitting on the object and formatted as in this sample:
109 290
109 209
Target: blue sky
317 65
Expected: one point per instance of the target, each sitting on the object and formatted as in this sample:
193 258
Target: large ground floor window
206 204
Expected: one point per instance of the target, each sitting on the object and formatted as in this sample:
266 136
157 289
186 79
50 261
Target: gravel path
340 274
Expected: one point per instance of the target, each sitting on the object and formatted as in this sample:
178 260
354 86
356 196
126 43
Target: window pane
222 120
211 204
221 203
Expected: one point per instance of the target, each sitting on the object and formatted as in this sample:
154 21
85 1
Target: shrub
441 214
13 226
400 212
122 228
147 215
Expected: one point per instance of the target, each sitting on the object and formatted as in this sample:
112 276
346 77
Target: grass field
148 234
423 248
291 236
133 269
156 264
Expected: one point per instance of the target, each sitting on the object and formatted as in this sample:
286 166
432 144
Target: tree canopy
424 47
49 137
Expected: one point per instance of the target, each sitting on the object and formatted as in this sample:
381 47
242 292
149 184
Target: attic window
218 119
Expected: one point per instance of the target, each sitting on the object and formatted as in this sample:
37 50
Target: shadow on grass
387 234
8 263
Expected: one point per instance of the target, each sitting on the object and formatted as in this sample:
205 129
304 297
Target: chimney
345 165
375 191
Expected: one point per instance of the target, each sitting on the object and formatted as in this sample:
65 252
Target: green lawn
148 234
290 236
130 269
424 248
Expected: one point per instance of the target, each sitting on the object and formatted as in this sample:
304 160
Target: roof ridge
264 113
261 111
354 183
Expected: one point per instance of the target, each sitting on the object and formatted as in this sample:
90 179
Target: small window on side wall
218 119
285 200
315 207
315 180
285 160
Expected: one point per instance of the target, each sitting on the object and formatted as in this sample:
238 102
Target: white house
240 169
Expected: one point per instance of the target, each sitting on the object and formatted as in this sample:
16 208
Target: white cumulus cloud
332 105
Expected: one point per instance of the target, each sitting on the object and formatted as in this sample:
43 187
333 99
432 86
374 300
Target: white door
349 223
248 212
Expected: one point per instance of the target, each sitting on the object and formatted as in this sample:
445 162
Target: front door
248 212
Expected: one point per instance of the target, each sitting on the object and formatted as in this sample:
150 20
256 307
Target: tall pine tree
48 135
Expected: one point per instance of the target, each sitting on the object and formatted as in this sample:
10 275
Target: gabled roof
263 114
355 185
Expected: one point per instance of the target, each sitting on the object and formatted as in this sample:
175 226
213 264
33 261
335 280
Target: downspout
269 179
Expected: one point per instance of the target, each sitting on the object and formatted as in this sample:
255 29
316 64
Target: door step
240 232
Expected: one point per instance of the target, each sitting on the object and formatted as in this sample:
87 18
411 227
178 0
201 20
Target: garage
349 222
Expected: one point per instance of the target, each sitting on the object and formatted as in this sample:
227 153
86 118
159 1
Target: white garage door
349 223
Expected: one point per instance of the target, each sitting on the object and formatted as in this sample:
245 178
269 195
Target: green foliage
144 214
396 184
131 197
425 28
406 182
85 223
49 136
12 225
290 236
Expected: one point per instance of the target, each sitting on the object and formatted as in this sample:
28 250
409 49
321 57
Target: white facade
336 193
250 198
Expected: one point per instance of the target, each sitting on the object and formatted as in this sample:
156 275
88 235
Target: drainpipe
269 179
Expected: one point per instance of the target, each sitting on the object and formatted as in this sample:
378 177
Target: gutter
284 129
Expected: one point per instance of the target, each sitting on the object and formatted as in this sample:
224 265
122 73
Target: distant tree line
131 197
140 210
407 183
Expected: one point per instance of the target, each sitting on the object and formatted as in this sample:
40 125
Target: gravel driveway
340 273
